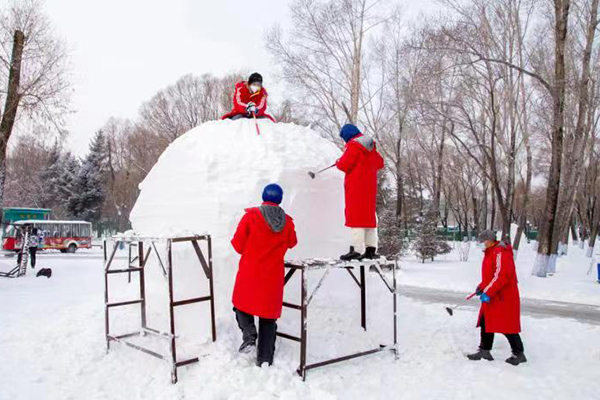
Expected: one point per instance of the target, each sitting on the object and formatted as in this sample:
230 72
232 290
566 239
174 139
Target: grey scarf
275 217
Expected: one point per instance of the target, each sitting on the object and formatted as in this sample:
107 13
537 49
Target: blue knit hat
348 131
273 193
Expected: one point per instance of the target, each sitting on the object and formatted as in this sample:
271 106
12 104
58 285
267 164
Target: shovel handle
471 296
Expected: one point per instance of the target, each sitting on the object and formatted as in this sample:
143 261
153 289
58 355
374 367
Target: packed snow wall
207 177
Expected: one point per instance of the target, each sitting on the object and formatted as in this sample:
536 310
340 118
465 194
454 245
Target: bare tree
324 56
35 79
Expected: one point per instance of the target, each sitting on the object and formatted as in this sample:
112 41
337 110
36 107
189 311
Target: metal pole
129 261
107 262
363 298
212 292
303 322
142 278
171 312
395 310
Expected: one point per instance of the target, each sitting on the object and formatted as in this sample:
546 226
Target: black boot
481 354
516 359
351 255
370 254
248 346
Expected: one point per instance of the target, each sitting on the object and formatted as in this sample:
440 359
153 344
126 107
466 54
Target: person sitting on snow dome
360 162
249 99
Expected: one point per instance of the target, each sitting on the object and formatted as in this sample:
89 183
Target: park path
585 313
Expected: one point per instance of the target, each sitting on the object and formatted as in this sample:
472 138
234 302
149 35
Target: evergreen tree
50 178
89 185
428 243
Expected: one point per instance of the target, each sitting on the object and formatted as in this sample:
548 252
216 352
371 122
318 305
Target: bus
66 236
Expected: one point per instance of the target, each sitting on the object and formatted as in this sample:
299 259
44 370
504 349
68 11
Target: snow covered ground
571 283
52 343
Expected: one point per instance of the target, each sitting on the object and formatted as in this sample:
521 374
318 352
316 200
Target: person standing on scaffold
360 162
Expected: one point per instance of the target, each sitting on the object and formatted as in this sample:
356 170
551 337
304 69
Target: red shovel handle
471 296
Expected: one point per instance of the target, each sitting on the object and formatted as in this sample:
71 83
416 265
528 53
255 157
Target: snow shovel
450 310
313 174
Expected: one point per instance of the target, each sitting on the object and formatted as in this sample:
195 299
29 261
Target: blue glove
484 298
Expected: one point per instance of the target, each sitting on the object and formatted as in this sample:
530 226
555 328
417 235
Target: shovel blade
312 175
450 311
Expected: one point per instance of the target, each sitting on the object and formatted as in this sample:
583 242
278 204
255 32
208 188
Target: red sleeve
292 240
241 234
349 159
378 160
503 269
238 104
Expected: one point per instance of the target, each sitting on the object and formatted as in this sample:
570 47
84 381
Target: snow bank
205 179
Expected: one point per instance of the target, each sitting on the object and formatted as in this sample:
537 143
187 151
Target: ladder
24 254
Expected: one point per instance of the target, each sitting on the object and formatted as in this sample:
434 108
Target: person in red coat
360 162
249 99
263 236
498 290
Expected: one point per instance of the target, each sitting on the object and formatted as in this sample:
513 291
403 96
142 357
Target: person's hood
274 215
365 141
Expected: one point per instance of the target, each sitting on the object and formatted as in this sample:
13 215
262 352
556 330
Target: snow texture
207 177
53 345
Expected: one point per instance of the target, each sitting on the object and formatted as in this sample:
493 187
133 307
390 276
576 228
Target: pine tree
88 188
428 243
50 178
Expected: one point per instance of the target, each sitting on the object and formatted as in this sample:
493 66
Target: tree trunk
13 98
546 257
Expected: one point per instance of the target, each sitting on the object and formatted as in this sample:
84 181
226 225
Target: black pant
32 252
240 116
267 330
487 339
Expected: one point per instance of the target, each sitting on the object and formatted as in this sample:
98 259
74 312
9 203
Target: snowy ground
52 343
571 283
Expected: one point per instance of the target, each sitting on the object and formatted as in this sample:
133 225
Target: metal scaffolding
305 300
137 265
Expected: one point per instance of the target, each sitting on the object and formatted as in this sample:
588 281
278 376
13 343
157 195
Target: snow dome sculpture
207 177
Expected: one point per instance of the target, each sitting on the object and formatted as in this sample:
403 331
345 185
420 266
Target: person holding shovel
498 291
249 99
360 162
263 236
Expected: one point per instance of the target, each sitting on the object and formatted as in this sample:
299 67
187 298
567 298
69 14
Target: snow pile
205 179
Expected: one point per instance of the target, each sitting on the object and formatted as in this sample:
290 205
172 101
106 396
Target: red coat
360 162
258 286
242 96
499 281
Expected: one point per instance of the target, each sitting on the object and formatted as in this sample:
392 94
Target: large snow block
207 177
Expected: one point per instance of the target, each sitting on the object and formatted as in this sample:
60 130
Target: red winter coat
242 96
258 286
360 162
499 281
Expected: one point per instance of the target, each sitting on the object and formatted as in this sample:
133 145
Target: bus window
66 230
86 230
75 230
56 230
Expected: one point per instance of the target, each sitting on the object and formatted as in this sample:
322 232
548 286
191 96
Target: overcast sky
123 51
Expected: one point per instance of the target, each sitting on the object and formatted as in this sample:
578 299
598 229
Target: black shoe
516 359
248 346
351 255
370 254
481 354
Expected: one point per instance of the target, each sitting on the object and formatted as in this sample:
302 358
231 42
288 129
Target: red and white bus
66 236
